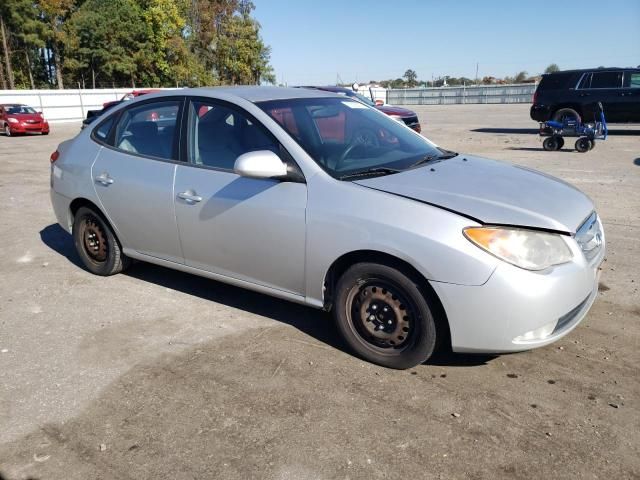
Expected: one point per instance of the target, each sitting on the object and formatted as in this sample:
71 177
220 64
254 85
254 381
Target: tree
520 77
411 78
241 57
552 68
53 14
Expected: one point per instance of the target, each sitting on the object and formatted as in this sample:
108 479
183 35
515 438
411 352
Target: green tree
241 57
108 40
411 78
520 77
552 68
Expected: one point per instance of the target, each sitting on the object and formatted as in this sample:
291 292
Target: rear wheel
583 144
550 144
96 243
383 316
566 114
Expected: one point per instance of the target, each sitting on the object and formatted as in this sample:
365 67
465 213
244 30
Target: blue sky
313 40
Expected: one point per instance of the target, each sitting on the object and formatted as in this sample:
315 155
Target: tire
560 143
562 113
551 144
7 130
96 244
383 316
45 133
583 144
592 144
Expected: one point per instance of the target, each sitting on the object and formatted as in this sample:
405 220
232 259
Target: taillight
54 156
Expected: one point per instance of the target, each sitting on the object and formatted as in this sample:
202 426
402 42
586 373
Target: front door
631 96
244 228
133 178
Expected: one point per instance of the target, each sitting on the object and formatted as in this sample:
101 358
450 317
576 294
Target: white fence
72 105
517 93
63 105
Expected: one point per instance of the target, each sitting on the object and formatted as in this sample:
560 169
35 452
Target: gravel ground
159 374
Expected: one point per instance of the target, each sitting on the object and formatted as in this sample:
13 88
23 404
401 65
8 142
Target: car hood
491 192
401 112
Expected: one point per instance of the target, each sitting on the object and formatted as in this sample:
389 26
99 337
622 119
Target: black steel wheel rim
382 315
94 239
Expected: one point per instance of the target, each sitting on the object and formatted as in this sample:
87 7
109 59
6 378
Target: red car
132 95
17 119
402 115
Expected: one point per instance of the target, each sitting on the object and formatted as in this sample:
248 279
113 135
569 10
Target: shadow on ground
315 323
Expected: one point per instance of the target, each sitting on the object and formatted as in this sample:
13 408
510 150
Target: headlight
526 249
12 120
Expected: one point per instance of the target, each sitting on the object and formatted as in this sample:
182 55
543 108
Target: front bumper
518 309
28 127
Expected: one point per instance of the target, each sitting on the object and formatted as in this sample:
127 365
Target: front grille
410 121
590 237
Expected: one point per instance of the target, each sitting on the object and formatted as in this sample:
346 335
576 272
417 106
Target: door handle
189 197
104 179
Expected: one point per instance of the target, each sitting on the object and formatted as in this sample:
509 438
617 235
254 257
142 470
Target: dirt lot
158 374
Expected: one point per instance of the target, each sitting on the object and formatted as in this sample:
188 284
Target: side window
218 135
585 81
632 80
102 131
149 129
606 79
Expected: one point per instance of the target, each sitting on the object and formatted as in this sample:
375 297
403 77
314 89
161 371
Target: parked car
92 115
273 189
132 96
18 119
402 115
576 93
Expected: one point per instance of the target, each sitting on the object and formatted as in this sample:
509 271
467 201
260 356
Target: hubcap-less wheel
381 315
94 240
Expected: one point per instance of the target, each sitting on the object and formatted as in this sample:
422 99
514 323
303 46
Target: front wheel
96 243
383 316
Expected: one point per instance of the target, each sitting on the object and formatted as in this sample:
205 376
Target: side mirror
260 164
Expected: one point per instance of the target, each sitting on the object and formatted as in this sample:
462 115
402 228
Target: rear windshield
556 81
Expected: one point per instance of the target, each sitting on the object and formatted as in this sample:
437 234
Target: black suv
575 93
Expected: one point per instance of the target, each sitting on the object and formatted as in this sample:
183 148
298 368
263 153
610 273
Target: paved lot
158 374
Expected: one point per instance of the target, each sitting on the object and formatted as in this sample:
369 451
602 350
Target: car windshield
20 109
348 139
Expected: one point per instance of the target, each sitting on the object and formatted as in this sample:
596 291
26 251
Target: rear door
631 96
133 176
606 87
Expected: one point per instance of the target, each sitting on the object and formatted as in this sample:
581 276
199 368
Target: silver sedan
321 200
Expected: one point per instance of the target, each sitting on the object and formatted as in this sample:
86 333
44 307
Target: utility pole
477 65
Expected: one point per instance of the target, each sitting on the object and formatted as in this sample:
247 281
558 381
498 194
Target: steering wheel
361 137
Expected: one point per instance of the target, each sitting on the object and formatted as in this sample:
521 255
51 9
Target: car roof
599 69
263 94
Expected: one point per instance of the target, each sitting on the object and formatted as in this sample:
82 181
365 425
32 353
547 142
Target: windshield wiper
432 158
370 172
